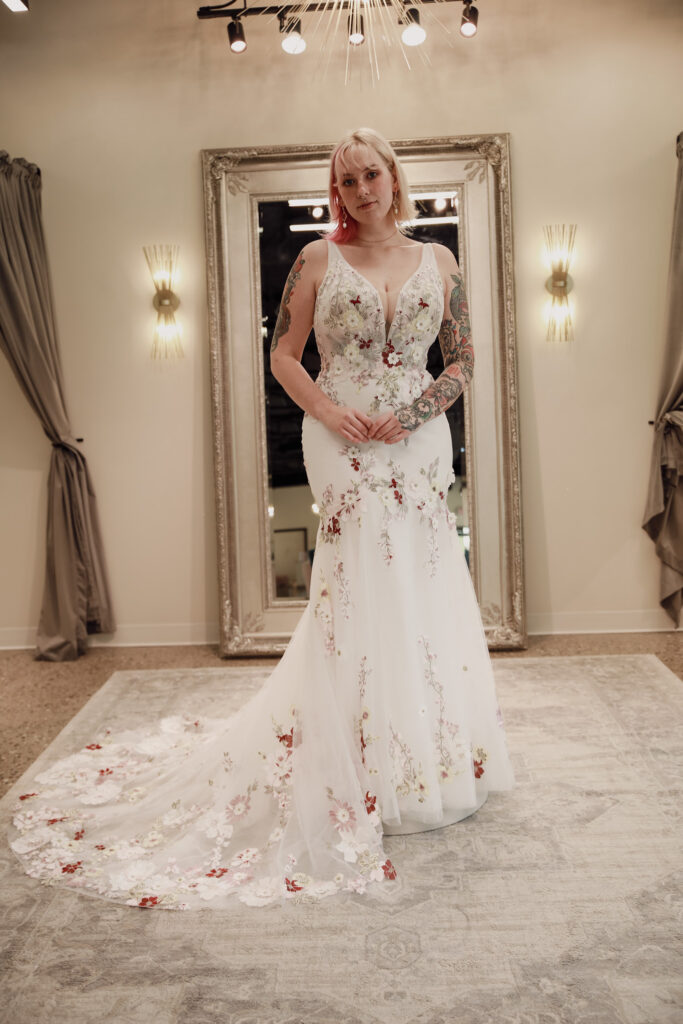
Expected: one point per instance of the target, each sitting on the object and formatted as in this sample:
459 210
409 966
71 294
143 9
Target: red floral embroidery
355 463
362 343
478 769
93 746
106 771
100 846
70 869
27 795
217 872
363 744
356 301
287 738
389 869
333 525
423 305
149 901
292 886
370 802
397 493
387 351
53 821
79 834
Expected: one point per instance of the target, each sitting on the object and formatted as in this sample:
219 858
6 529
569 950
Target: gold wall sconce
162 261
559 250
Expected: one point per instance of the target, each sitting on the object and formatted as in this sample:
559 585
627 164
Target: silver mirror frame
252 621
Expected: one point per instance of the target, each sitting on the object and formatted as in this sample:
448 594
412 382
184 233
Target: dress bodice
359 355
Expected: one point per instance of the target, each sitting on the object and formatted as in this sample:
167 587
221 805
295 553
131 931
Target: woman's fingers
378 425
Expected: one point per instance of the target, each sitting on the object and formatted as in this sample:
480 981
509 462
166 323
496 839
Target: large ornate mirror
261 207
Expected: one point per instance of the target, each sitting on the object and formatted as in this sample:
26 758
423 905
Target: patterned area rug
557 903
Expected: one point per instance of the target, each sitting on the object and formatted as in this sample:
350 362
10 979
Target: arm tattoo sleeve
458 359
284 317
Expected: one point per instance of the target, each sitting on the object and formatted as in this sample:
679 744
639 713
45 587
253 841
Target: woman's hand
387 428
349 423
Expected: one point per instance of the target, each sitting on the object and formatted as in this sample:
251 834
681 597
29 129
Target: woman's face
365 184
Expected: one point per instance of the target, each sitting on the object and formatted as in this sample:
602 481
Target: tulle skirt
380 718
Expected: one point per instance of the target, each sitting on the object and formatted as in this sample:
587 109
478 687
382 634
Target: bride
381 717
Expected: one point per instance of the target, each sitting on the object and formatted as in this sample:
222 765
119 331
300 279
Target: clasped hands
358 426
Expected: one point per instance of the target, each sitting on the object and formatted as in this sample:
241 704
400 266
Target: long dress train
380 717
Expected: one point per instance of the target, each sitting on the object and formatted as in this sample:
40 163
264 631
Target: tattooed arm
456 346
292 328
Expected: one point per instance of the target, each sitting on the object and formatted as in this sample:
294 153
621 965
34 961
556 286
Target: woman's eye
372 174
347 182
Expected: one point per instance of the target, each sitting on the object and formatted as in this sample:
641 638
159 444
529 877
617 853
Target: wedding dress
381 716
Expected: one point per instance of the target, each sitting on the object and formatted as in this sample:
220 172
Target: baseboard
644 620
153 635
186 633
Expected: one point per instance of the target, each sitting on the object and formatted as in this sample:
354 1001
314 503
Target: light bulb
413 34
236 36
293 41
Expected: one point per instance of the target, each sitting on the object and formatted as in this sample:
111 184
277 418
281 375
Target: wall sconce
559 249
162 261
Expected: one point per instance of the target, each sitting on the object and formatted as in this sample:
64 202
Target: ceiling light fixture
470 17
356 33
17 6
293 41
413 34
238 43
347 22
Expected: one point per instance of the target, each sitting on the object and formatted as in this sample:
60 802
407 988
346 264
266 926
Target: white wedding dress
381 716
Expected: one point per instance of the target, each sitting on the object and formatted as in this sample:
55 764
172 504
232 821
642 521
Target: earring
344 217
396 204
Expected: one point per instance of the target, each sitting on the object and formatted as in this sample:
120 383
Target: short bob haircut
372 139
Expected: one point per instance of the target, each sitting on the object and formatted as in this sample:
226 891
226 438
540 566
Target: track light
356 33
470 17
413 34
238 43
293 41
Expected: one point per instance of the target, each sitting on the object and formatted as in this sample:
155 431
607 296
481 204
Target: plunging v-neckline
387 333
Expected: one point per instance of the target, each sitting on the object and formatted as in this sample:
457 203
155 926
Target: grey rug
556 903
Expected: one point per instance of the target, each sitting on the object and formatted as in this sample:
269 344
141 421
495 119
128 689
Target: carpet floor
556 903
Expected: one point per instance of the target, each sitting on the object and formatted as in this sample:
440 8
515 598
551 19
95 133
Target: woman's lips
366 206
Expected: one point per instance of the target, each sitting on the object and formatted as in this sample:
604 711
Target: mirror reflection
284 228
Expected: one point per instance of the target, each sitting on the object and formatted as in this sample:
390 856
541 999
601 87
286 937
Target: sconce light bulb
317 212
293 41
440 205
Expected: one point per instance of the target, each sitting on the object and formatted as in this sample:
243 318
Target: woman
381 717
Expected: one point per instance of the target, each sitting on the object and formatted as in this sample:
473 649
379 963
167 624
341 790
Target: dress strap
333 254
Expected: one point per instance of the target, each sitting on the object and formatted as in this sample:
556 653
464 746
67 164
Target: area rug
556 903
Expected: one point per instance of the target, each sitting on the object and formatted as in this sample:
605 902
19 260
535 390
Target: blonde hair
367 137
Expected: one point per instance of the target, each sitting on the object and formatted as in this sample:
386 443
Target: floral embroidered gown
381 716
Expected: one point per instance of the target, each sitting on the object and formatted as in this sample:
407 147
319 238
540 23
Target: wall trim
647 620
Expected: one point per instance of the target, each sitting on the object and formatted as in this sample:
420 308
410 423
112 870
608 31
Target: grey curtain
663 520
76 597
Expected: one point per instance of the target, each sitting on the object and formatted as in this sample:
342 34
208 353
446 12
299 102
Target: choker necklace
377 241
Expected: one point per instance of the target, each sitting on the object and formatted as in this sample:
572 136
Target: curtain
76 598
663 520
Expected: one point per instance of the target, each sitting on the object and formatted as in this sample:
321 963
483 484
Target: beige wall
115 101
